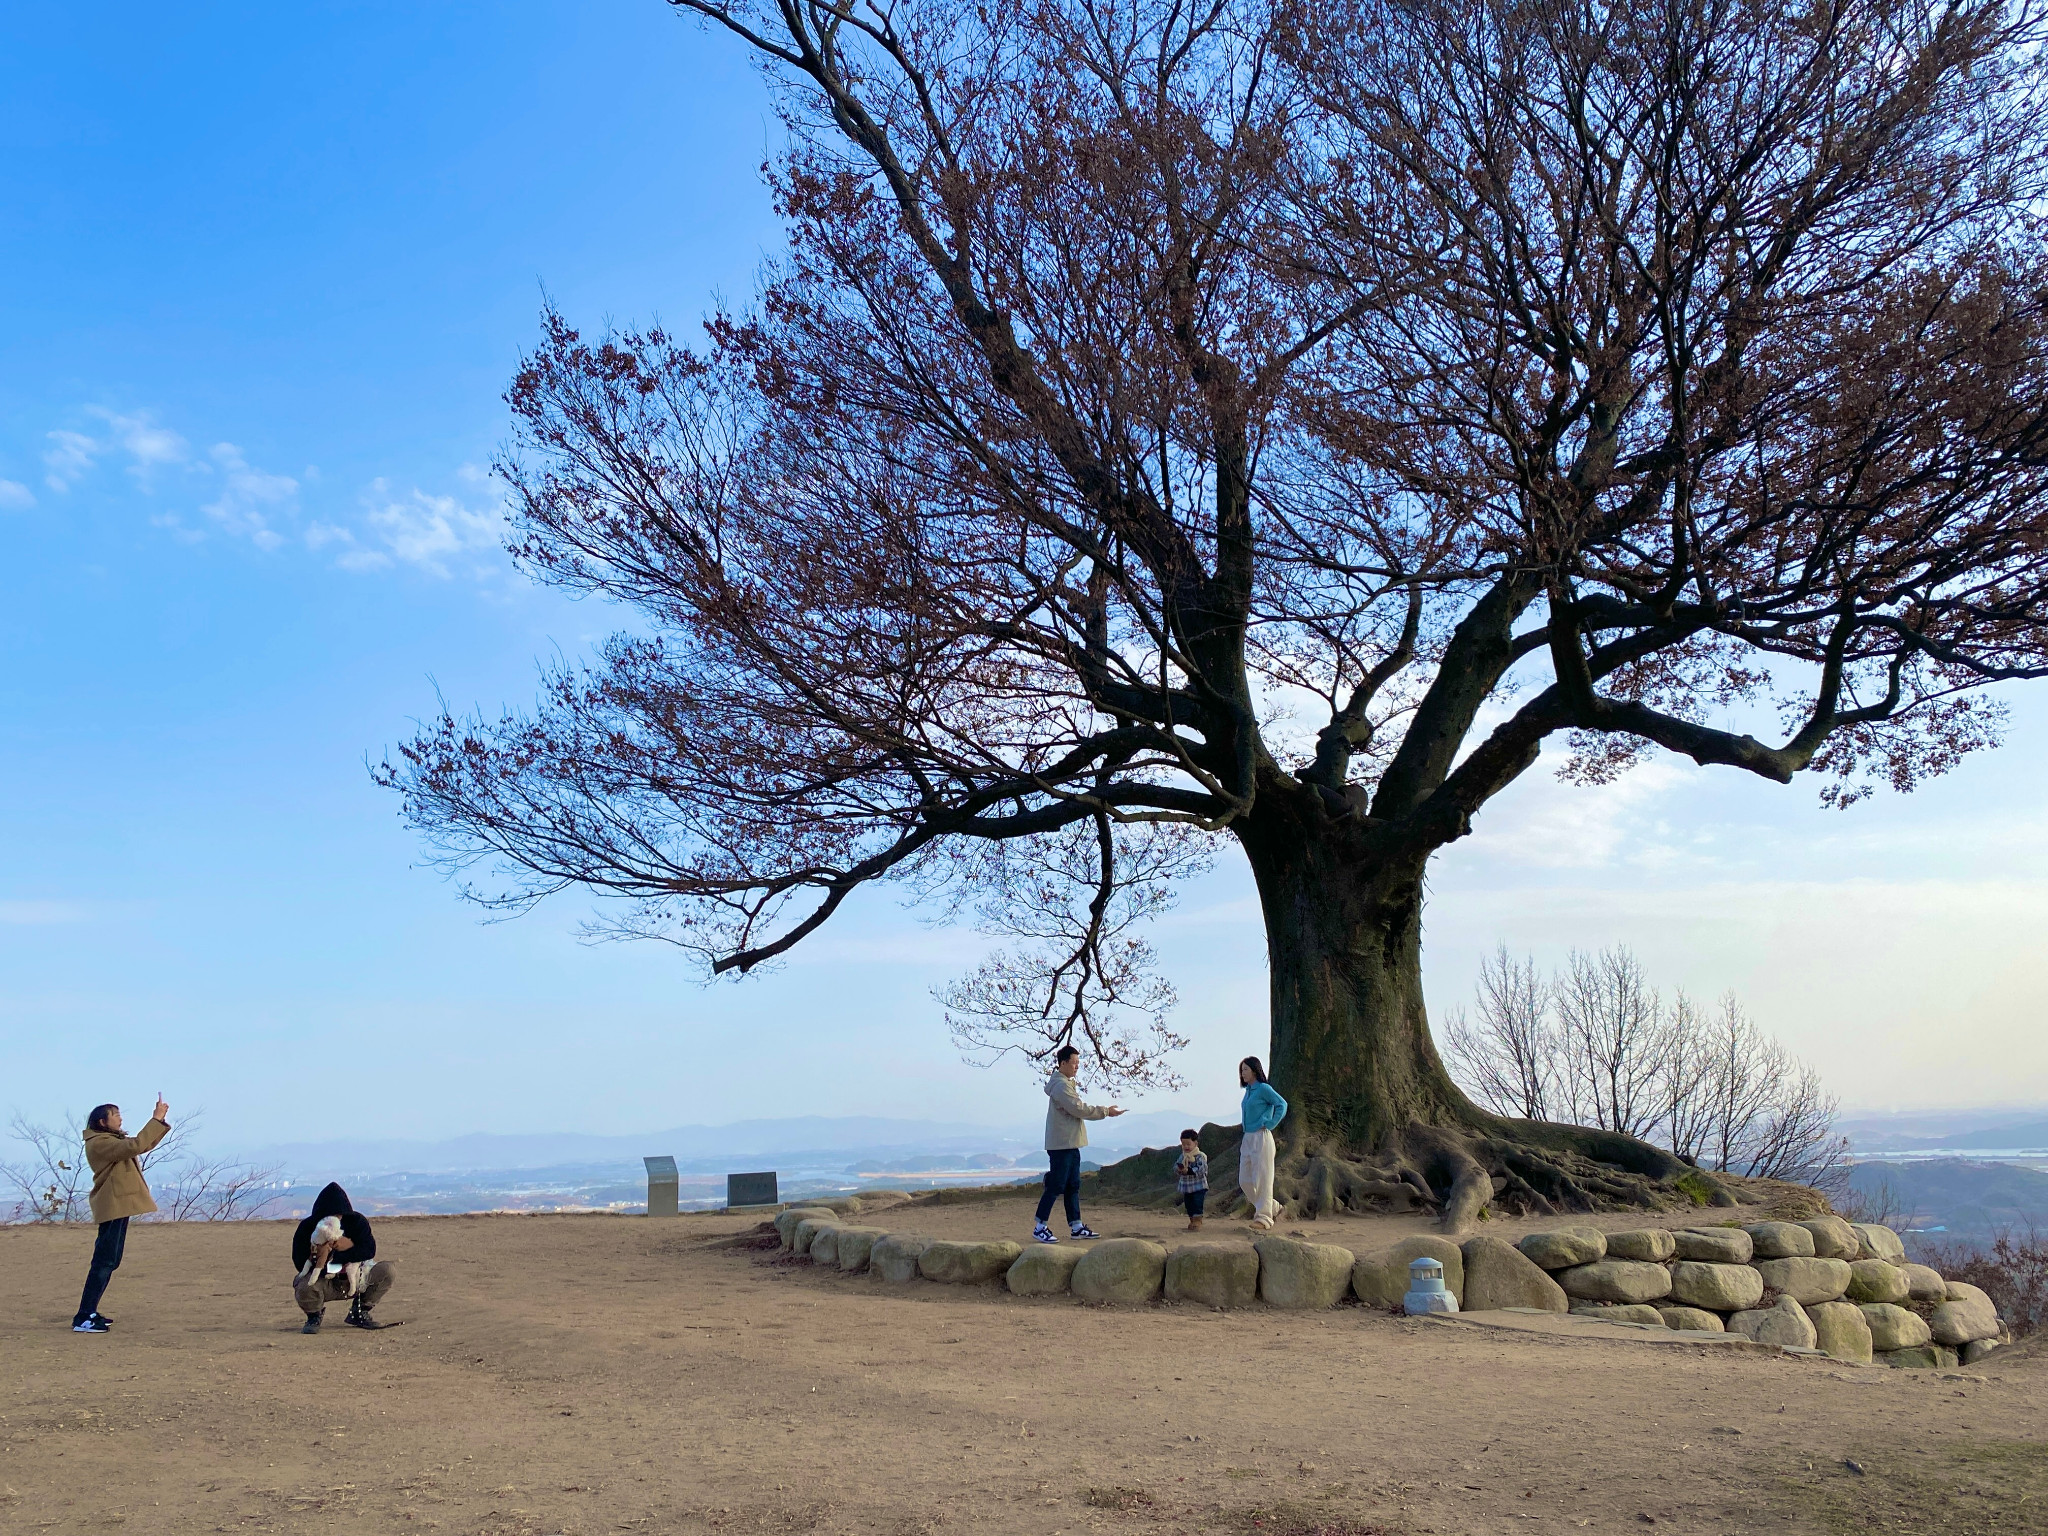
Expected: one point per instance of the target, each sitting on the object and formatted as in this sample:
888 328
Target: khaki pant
314 1291
1255 1175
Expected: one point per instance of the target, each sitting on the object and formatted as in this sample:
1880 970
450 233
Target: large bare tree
1271 423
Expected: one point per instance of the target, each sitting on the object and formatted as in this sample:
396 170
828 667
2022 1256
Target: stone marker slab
745 1189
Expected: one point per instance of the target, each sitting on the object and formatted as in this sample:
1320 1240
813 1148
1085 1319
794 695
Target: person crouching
334 1254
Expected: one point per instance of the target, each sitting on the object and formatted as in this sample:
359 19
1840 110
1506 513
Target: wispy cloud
391 528
14 495
417 529
249 498
22 914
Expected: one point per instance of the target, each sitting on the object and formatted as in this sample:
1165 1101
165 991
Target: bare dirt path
560 1374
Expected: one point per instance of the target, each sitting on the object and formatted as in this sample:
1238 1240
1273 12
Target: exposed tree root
1459 1174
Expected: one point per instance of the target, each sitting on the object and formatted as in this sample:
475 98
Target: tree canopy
1277 421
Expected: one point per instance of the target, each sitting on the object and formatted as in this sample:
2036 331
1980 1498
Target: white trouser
1255 1175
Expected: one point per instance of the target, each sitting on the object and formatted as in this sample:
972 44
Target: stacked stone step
1824 1284
1842 1288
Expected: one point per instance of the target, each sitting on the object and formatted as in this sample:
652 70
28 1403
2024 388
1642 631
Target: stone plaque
750 1189
662 1183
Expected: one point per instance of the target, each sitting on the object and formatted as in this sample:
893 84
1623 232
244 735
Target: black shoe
91 1325
363 1320
104 1318
312 1323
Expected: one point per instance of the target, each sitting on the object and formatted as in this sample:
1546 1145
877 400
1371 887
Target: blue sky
264 272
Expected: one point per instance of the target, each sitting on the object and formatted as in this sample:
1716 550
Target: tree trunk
1374 1120
1351 1047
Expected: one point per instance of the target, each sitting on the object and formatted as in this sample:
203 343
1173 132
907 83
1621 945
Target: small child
1191 1178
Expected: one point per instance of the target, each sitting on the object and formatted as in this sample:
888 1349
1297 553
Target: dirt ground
585 1374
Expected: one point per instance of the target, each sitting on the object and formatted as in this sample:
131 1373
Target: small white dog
326 1230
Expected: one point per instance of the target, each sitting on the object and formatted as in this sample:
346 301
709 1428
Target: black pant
106 1258
1194 1200
1063 1178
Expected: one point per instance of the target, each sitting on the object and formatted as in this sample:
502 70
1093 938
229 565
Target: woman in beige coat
118 1192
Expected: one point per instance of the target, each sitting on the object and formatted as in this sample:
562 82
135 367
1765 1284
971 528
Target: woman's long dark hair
1258 1072
97 1120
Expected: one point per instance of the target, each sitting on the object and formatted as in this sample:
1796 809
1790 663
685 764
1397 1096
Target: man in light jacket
118 1192
1066 1133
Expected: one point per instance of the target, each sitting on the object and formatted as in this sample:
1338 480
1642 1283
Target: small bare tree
1612 1043
51 1184
1507 1060
55 1184
1716 1091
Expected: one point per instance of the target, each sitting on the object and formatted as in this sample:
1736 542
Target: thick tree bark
1351 1046
1375 1122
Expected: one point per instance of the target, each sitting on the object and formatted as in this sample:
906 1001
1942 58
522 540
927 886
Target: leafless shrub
1506 1060
54 1184
1598 1044
51 1184
2013 1272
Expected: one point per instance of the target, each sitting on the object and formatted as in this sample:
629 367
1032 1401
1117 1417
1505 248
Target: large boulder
1806 1280
1926 1356
1717 1287
807 1231
1381 1279
1044 1269
1125 1269
824 1247
967 1263
1786 1324
1564 1248
1616 1280
1894 1328
854 1245
1499 1275
1297 1274
1924 1282
1213 1274
1692 1320
1653 1245
1780 1240
894 1258
1833 1238
1619 1312
1964 1318
1976 1350
786 1221
1877 1280
1715 1245
1840 1328
1876 1242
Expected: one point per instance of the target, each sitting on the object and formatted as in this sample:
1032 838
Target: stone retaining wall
1825 1285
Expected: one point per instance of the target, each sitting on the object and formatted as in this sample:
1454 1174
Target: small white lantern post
1426 1289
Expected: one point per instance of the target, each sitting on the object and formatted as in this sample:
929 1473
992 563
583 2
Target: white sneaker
1043 1233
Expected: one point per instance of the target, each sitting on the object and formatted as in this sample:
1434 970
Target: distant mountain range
2006 1131
1955 1198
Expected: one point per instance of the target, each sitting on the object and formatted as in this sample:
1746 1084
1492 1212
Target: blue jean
107 1249
1062 1179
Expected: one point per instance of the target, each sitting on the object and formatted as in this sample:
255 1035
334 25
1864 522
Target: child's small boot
1194 1223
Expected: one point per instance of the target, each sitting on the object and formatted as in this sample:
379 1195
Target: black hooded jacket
355 1226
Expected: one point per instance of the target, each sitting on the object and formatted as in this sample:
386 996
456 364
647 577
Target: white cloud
68 458
14 495
249 498
418 529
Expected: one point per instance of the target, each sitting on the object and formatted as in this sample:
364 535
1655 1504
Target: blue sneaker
1081 1229
91 1325
1043 1233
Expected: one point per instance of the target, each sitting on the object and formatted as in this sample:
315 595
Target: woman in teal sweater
1264 1109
